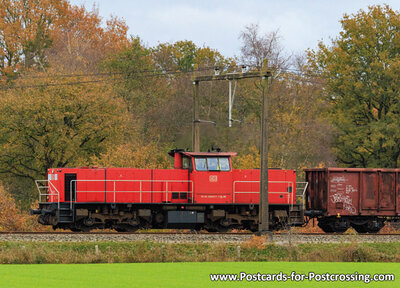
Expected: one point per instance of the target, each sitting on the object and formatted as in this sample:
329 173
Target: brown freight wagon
362 198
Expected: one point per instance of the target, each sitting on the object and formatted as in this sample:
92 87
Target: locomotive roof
191 154
204 154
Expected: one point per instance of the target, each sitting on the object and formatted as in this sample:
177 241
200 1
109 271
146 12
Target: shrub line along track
175 238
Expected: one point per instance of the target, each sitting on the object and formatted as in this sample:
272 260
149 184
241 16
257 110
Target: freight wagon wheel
331 228
360 228
333 225
327 228
373 226
375 229
340 229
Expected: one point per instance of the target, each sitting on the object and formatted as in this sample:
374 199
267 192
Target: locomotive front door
212 177
70 187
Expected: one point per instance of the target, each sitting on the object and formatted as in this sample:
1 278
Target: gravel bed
193 238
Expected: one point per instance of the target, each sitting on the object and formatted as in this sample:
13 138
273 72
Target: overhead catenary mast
263 204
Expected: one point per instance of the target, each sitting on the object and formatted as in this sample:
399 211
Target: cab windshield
212 164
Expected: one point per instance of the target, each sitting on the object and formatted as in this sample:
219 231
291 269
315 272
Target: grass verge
144 252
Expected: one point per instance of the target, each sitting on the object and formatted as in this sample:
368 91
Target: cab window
224 164
201 164
185 163
212 164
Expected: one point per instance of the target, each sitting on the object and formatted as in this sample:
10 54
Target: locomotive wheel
222 229
80 229
125 228
85 229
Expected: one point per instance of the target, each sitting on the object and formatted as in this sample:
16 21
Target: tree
56 126
361 70
36 33
186 56
157 88
81 42
255 48
25 32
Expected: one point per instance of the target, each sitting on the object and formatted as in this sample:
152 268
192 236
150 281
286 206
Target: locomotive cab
211 173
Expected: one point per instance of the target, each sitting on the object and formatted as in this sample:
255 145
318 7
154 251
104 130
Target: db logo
213 178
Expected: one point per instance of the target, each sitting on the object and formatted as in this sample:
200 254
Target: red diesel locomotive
201 192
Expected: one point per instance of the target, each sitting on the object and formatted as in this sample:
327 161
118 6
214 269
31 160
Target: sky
218 23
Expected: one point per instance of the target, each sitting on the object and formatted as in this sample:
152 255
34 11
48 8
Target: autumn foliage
11 217
53 32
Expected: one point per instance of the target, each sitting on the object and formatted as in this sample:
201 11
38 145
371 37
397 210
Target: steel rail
190 233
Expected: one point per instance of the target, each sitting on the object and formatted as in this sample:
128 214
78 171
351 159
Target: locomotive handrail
114 191
258 192
49 187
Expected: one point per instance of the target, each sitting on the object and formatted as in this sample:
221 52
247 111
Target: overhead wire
137 73
141 73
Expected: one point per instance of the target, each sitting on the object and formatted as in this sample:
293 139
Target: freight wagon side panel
379 192
343 193
317 190
387 191
397 194
353 191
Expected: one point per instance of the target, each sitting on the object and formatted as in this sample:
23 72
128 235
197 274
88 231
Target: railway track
189 233
186 237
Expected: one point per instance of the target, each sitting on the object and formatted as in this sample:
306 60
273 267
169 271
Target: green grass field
181 274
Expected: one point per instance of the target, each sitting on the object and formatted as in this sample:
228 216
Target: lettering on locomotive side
213 196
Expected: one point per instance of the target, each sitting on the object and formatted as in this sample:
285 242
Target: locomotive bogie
127 219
